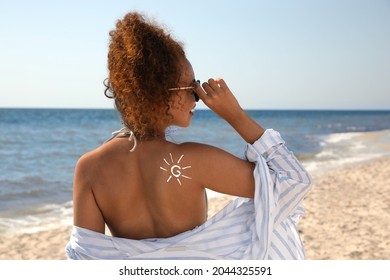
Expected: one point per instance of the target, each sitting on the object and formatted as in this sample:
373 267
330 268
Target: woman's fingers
222 84
207 91
199 90
212 88
216 95
215 85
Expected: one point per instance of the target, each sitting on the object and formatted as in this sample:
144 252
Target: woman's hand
218 97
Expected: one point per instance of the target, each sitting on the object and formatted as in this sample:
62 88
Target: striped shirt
264 227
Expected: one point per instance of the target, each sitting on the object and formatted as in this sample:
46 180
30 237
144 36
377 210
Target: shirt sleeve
283 180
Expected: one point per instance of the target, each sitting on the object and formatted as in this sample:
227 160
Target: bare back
151 192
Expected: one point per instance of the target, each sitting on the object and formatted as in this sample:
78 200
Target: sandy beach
347 217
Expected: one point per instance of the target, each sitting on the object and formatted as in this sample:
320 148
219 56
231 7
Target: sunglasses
196 96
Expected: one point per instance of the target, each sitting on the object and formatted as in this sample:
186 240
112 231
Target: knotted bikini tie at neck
125 131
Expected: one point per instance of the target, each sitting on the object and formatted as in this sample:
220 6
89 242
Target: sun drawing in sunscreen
175 169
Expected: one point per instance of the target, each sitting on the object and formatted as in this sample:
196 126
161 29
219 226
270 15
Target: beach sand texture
347 217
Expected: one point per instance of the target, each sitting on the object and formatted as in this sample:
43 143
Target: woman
151 193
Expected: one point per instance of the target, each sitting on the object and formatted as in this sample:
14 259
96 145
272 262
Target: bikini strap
124 131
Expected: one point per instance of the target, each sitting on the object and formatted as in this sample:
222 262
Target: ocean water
40 147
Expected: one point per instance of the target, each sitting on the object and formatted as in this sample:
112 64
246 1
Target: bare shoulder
205 152
86 211
94 159
87 162
89 166
198 147
220 170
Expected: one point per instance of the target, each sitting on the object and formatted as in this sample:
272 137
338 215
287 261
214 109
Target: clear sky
323 54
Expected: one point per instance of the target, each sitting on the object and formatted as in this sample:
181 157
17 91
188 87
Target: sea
40 147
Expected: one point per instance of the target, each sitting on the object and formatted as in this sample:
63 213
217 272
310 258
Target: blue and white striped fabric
259 228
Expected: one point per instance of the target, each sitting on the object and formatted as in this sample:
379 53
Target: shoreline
347 217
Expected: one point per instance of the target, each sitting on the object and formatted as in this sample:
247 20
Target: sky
324 54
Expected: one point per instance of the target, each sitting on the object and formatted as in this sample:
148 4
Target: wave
36 219
343 149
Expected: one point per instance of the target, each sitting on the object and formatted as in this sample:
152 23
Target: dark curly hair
143 62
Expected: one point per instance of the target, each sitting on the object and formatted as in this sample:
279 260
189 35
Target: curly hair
143 62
